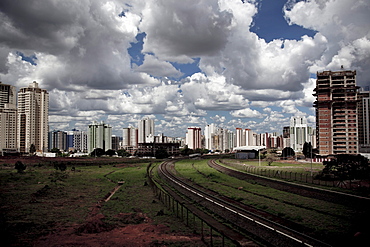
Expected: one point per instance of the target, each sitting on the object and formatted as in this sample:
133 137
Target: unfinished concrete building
336 112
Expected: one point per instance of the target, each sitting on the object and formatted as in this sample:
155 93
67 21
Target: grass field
327 220
42 200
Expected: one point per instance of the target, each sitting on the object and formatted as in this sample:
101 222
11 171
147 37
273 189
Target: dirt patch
95 232
132 229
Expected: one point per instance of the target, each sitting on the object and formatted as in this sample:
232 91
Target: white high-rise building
209 130
244 137
299 133
145 129
8 118
229 140
239 141
99 136
33 113
77 141
248 133
194 138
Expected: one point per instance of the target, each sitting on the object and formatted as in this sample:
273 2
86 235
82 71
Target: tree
32 149
186 150
97 152
57 151
19 166
123 153
161 153
347 166
307 150
110 152
270 156
288 152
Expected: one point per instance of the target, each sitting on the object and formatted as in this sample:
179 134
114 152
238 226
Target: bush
20 167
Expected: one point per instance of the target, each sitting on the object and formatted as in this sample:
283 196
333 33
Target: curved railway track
264 230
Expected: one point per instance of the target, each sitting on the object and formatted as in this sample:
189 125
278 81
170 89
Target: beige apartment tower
336 112
194 138
8 119
33 112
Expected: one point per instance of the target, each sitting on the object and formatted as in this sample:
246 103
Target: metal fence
307 177
209 235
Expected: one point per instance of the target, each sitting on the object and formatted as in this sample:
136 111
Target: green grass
299 167
328 218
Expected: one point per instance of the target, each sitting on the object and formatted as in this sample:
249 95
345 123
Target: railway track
264 230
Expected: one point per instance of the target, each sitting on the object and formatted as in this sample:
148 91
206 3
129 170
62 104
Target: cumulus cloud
77 44
158 68
246 113
80 55
212 93
179 30
344 24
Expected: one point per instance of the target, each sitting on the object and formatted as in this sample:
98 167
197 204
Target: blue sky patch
270 24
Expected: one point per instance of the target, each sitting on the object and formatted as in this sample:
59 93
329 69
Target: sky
237 64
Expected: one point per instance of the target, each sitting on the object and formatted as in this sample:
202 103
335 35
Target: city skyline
238 64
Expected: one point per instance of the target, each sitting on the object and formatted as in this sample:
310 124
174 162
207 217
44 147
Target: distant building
145 129
77 141
58 139
116 140
151 149
99 136
7 95
194 138
336 112
32 122
248 152
130 137
8 119
299 133
209 131
229 140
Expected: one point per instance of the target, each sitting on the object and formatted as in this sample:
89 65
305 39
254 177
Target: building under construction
336 112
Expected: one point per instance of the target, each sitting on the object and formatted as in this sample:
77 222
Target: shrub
19 166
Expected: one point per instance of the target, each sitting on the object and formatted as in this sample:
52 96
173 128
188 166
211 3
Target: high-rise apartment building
130 137
33 113
7 95
77 141
336 112
299 133
194 138
239 141
229 140
8 118
116 143
209 131
145 129
58 139
244 137
99 136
